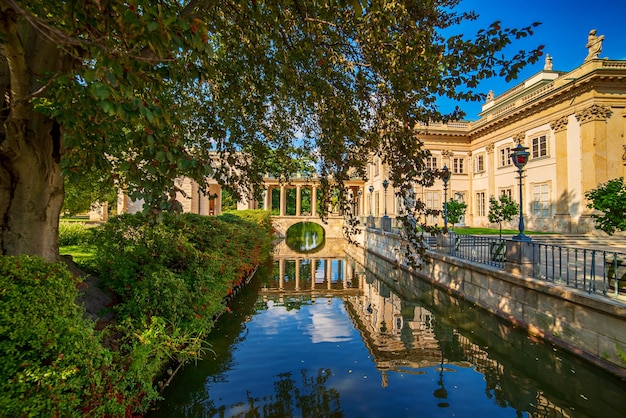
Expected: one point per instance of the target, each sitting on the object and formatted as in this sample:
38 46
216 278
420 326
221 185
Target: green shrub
75 233
179 269
170 279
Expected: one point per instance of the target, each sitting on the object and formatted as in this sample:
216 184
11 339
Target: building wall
582 116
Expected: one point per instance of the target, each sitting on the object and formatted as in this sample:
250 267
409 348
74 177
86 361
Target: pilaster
593 121
562 216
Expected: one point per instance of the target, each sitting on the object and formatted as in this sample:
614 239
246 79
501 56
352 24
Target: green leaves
241 89
609 198
501 210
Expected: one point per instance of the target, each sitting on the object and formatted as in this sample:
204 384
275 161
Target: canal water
319 335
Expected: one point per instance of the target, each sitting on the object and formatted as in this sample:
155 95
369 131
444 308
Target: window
507 192
480 204
431 163
376 166
432 202
541 200
539 146
458 166
479 164
505 157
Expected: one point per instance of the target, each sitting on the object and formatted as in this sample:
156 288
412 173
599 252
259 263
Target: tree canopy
609 199
142 92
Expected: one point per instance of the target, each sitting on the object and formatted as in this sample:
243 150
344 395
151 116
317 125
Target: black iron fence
593 270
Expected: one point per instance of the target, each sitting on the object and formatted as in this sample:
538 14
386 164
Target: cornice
609 74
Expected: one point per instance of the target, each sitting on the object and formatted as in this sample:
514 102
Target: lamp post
371 189
385 221
385 185
445 177
519 156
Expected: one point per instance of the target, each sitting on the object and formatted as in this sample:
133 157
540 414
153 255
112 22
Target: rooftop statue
594 45
548 65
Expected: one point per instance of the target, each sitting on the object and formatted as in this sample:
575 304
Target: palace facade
573 124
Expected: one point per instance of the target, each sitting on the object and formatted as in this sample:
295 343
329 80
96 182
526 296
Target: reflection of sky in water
324 322
329 323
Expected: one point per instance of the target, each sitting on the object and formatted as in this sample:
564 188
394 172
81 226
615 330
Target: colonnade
355 192
267 204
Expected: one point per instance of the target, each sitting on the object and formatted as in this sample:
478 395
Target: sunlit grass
81 254
466 230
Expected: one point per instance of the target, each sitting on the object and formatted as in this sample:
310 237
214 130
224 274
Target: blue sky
563 32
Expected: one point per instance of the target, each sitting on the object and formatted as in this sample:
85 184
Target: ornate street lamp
519 157
371 189
445 177
385 185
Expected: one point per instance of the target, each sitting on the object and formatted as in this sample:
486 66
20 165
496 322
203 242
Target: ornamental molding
490 148
446 153
519 138
559 124
593 113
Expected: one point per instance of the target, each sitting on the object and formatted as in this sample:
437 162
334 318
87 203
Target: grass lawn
81 254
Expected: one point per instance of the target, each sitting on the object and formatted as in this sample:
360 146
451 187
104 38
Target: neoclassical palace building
574 126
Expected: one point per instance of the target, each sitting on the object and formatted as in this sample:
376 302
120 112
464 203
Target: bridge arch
333 228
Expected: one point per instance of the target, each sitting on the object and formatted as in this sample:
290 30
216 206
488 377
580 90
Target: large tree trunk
31 191
31 185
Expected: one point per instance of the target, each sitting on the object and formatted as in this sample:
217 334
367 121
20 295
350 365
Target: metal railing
479 249
593 270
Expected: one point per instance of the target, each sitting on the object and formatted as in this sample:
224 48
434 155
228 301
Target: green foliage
501 210
82 191
75 233
170 280
53 362
228 202
456 211
610 199
180 268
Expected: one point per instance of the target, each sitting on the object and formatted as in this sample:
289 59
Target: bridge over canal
296 201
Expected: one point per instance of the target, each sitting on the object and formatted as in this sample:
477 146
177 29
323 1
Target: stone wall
591 326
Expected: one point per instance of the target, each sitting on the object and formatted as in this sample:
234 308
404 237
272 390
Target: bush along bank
169 281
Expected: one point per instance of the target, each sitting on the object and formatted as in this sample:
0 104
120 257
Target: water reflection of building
400 336
405 337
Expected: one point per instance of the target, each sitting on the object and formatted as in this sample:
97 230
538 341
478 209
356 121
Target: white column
267 201
313 201
298 203
281 274
283 200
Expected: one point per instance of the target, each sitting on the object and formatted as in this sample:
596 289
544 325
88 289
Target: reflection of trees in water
305 237
311 399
